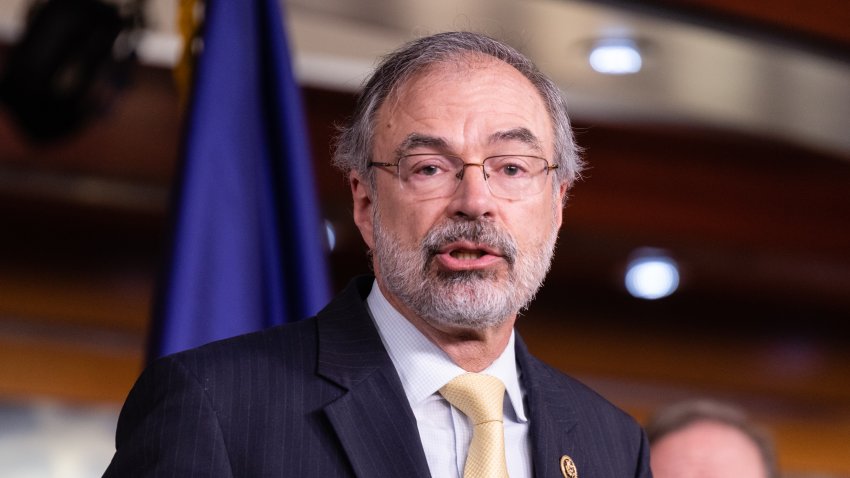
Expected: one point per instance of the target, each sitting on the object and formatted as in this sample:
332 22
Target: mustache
480 231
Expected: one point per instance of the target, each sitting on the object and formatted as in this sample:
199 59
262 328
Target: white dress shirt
424 368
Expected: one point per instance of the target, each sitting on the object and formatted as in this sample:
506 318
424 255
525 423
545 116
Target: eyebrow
419 140
521 134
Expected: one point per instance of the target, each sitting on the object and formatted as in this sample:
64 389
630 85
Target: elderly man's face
468 259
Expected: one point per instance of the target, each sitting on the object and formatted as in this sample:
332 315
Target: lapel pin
568 468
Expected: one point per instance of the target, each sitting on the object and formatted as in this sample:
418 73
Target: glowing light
652 276
616 57
331 233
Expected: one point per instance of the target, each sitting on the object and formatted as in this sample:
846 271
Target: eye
511 170
427 170
509 166
426 166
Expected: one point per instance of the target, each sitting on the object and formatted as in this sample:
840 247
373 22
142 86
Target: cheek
532 225
406 222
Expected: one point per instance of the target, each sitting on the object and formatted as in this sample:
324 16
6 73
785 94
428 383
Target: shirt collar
423 367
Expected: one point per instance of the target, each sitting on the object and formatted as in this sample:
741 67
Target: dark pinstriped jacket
321 398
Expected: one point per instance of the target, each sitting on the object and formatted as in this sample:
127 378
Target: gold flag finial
189 20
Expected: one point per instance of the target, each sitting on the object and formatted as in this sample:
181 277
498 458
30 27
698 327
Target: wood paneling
71 363
821 23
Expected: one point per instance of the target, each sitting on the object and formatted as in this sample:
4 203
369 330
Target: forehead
707 444
466 101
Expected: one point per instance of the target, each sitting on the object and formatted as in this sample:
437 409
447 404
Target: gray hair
354 143
679 416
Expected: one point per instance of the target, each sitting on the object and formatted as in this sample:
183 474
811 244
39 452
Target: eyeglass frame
460 174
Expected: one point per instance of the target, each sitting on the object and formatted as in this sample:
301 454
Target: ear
562 194
361 194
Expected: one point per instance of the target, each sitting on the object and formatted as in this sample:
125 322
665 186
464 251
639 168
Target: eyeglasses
509 176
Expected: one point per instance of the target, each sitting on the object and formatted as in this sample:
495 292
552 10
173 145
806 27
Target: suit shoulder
587 401
591 418
279 343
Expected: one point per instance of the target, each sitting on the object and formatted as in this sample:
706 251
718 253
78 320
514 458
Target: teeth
466 255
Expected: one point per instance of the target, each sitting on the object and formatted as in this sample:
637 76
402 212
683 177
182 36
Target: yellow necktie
480 397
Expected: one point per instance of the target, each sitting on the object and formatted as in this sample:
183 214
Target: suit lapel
553 419
372 418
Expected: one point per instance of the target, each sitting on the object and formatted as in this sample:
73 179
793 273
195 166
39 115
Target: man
459 157
706 439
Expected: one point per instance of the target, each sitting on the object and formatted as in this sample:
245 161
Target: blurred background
719 184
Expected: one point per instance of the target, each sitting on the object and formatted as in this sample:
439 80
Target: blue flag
248 246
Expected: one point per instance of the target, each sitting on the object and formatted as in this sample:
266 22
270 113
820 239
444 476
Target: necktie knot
478 396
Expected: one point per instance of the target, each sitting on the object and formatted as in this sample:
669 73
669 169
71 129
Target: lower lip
446 261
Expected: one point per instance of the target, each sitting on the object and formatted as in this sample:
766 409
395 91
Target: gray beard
473 300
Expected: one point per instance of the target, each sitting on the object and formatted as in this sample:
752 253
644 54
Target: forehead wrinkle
521 134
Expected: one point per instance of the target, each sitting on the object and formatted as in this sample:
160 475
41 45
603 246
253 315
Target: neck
471 350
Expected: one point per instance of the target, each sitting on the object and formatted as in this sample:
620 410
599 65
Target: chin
467 300
465 322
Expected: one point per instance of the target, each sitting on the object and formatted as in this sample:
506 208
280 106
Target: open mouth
466 255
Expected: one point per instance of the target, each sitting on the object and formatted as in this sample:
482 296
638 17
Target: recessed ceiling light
616 57
651 275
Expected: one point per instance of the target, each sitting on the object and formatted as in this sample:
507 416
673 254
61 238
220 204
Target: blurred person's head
708 439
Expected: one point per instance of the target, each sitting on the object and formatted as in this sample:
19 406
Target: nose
472 198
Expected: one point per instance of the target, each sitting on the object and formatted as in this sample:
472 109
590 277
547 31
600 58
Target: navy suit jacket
321 398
